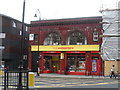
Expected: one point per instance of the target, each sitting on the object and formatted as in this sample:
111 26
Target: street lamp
22 37
21 53
38 36
39 14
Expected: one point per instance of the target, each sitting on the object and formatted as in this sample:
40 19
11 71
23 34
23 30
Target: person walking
113 72
38 69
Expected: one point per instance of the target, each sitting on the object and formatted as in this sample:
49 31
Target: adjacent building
66 46
10 42
110 48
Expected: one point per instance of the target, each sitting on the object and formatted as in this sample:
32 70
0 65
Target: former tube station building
69 46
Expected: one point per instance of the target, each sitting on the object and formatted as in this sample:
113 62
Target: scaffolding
111 32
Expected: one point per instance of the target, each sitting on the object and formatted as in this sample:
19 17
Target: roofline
65 21
12 18
69 19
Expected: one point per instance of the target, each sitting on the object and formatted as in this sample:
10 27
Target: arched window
52 39
77 38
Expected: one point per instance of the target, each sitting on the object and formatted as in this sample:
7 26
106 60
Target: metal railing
11 80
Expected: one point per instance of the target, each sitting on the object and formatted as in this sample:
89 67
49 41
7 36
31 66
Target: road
75 83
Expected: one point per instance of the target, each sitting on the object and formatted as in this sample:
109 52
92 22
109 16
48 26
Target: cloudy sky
54 9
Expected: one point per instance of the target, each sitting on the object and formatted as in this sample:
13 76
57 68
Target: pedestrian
38 70
113 71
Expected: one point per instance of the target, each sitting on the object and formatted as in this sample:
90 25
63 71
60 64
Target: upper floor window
36 36
52 39
77 38
26 28
14 24
2 47
95 36
2 35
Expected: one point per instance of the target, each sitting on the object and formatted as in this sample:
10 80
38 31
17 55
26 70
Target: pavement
51 75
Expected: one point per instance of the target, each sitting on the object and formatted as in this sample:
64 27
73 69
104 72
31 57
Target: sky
54 9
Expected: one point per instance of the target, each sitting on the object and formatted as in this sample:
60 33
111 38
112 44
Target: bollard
31 79
1 72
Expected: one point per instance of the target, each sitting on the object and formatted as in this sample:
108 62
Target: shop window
47 63
52 39
76 63
52 63
95 36
77 38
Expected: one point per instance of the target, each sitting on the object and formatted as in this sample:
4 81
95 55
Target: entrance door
52 63
55 64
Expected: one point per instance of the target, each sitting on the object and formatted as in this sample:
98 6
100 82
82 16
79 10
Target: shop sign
66 48
31 36
94 65
62 56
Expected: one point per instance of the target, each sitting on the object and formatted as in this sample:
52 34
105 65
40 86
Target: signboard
94 65
66 48
62 56
31 37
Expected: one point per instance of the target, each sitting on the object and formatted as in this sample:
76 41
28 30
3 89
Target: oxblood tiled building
63 46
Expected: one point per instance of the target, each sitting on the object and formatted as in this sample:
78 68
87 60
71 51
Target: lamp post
21 53
38 37
22 36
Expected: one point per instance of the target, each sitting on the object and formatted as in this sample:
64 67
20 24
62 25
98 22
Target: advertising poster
94 65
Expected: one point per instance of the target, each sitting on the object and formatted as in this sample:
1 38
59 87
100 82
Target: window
2 47
36 36
2 35
26 28
77 38
76 63
20 33
95 36
47 63
53 39
14 24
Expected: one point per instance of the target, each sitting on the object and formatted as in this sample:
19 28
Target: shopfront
76 62
51 61
70 59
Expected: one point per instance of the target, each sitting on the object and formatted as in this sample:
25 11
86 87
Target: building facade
10 42
66 46
110 48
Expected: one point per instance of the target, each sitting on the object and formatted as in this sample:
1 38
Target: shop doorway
52 63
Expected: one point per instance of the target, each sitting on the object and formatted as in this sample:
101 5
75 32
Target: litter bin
31 79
